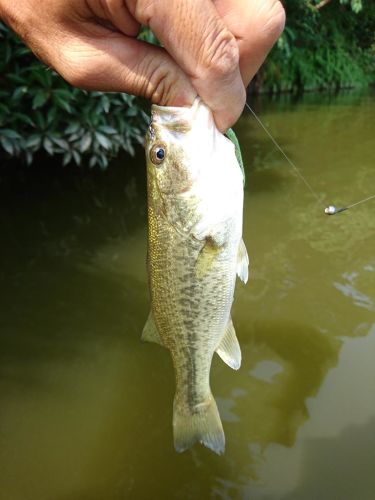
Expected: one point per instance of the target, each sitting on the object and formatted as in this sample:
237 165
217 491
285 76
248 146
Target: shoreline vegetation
326 45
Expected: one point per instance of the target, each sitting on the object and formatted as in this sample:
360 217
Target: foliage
39 111
323 48
356 5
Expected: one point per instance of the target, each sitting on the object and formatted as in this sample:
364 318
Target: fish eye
157 154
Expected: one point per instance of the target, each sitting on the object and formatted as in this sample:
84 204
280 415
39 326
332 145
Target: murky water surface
86 408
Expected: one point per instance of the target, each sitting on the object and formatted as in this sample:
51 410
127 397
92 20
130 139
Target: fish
195 250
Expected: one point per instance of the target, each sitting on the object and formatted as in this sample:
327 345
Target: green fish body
195 250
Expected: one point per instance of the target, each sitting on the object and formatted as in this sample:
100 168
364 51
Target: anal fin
229 349
242 262
150 332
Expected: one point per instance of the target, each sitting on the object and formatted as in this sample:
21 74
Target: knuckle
221 56
157 85
263 28
143 10
275 24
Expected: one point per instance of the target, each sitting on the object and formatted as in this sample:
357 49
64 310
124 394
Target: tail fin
201 424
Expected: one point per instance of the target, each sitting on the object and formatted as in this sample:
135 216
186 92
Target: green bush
329 48
39 111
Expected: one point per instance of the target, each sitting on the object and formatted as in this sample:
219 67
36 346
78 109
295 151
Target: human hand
211 47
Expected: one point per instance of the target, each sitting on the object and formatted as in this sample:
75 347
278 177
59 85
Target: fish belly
191 311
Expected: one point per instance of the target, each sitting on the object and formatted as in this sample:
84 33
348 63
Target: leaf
107 129
93 161
63 94
76 157
72 128
48 146
106 103
67 158
24 119
7 145
62 143
62 102
74 137
16 78
103 162
40 98
103 140
42 75
127 145
33 141
131 112
51 115
22 50
8 52
19 93
85 142
10 134
29 158
39 120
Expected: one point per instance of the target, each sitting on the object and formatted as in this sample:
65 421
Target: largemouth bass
195 250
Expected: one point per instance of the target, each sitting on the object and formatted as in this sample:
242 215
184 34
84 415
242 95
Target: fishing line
331 209
361 201
283 153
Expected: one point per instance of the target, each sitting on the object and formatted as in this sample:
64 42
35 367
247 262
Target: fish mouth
177 118
180 119
174 110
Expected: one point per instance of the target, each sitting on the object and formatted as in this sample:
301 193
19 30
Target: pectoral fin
229 348
206 257
242 262
208 230
150 332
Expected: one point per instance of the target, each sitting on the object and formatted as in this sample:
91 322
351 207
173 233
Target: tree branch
321 4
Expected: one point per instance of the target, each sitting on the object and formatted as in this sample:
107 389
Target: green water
86 408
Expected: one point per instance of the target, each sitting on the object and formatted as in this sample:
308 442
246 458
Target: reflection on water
86 408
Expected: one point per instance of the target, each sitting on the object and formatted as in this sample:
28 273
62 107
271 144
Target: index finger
196 37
